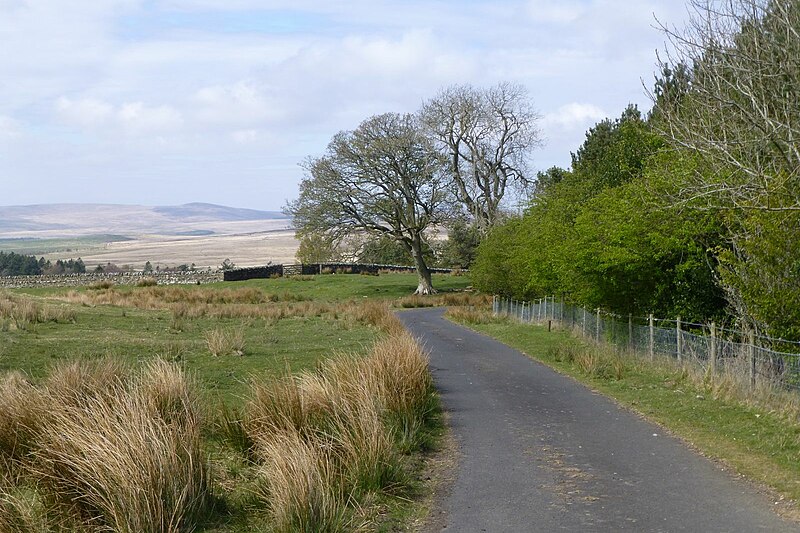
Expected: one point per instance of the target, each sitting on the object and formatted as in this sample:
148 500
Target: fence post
583 326
713 355
751 355
652 336
680 339
561 310
630 331
597 327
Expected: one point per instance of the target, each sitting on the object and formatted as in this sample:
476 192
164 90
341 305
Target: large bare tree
739 113
487 136
382 178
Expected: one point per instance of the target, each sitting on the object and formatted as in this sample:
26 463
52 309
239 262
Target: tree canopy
383 178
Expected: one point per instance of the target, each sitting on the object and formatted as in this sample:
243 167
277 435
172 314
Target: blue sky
174 101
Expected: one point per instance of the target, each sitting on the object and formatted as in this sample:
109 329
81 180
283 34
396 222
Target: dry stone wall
124 278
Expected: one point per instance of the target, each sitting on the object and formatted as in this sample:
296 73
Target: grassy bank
277 405
757 433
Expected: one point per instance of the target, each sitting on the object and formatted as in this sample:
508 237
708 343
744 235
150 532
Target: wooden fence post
680 339
583 325
751 355
597 327
713 355
630 331
652 337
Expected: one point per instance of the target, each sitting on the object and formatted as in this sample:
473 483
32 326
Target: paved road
540 452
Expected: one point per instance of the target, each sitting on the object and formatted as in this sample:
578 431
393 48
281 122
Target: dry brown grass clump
105 449
327 439
24 312
459 299
225 341
299 484
471 315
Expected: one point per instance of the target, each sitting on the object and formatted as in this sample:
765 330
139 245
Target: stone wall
241 274
124 278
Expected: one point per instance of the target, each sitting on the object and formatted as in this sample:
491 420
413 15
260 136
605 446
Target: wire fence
716 350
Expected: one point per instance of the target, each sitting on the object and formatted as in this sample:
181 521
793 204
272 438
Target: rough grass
120 355
329 439
105 449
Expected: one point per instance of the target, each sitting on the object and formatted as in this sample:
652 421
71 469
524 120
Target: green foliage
762 272
316 247
12 264
598 234
461 246
384 250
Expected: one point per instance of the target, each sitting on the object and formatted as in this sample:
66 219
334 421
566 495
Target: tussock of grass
225 341
298 484
106 449
24 313
328 439
470 315
446 299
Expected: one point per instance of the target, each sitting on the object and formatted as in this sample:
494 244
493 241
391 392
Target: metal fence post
652 336
680 339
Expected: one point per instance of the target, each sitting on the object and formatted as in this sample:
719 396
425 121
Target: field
202 234
241 361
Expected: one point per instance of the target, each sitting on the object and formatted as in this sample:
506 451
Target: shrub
147 282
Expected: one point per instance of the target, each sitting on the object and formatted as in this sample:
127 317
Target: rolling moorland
203 234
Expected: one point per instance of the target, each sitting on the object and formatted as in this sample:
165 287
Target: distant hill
203 211
73 220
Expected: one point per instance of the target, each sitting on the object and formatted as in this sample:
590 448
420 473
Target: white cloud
562 12
571 116
245 136
203 88
131 117
10 129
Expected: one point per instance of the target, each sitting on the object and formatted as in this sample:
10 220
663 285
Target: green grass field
278 326
39 247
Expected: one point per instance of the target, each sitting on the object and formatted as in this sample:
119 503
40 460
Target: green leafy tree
383 178
461 246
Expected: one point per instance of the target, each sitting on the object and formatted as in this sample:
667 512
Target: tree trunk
425 285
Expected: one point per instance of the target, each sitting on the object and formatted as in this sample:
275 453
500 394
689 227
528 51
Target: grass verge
757 434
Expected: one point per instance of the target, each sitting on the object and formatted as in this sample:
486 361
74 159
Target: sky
165 102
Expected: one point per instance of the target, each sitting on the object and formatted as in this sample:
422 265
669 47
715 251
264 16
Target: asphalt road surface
540 452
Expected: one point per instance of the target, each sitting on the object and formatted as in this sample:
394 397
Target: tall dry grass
328 439
221 341
298 483
25 312
106 449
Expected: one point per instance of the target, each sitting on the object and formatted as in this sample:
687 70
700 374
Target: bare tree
487 136
383 178
740 114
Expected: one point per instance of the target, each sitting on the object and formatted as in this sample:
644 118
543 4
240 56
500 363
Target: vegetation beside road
757 434
293 404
